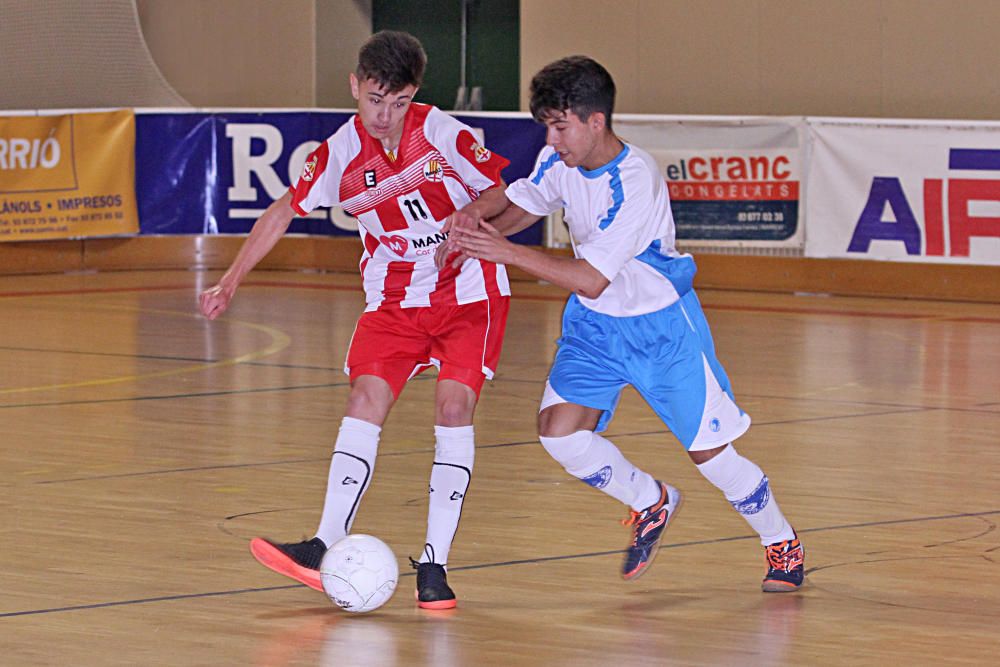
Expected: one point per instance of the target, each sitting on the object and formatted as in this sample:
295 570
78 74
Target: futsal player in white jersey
402 169
633 319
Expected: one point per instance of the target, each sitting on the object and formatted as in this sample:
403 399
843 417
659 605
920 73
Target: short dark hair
575 83
393 59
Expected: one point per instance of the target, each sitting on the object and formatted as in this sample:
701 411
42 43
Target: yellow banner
67 176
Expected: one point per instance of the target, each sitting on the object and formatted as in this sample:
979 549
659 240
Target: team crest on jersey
433 171
309 170
395 243
481 152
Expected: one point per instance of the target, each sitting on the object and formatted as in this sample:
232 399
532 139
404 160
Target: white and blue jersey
620 220
647 328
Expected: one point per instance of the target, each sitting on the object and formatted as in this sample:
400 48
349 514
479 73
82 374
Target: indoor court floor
143 446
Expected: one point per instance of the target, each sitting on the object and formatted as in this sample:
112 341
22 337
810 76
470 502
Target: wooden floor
143 446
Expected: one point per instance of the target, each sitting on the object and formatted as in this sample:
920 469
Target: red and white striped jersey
401 205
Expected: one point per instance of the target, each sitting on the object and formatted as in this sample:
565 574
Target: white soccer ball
359 573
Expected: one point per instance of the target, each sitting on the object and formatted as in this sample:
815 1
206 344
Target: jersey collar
594 173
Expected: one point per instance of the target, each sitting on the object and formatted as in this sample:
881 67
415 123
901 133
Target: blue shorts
669 358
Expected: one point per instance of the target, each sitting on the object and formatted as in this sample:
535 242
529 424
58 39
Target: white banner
734 181
904 190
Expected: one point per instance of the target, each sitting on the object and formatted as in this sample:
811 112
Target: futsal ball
359 573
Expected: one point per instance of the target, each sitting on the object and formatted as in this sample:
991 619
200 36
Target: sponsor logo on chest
395 243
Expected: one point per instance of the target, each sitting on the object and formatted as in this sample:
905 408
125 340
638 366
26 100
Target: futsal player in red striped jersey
402 169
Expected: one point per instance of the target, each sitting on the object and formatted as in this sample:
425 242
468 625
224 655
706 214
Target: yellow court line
279 341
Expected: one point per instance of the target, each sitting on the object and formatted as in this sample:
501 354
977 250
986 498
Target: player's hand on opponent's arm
485 242
215 300
446 251
490 204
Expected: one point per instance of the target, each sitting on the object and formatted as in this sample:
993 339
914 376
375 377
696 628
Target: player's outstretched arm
266 232
576 275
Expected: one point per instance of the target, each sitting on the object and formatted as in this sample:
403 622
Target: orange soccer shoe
785 566
648 527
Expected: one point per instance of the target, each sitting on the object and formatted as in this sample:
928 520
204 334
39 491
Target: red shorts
396 344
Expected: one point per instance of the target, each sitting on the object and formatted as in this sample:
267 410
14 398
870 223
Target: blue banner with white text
215 173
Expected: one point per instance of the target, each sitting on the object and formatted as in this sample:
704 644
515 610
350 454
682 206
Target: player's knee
556 423
700 456
543 425
456 410
359 401
453 414
369 402
550 425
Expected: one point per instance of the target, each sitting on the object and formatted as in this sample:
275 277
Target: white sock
596 461
746 487
351 468
454 453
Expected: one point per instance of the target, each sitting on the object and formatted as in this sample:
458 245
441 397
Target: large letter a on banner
872 227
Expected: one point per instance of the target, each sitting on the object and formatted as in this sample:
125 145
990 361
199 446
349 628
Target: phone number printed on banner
734 195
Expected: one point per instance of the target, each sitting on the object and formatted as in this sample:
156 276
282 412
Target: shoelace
633 518
637 517
429 575
779 556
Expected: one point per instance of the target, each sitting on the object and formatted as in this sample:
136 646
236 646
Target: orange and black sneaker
785 566
648 526
433 591
300 560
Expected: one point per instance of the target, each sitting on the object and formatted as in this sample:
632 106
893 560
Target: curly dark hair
393 59
575 83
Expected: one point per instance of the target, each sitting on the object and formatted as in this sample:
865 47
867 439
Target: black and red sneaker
785 566
648 526
300 560
433 591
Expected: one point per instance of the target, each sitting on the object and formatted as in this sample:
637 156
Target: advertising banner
216 172
732 180
919 191
67 176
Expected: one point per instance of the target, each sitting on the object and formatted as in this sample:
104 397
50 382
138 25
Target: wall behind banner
257 53
892 58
